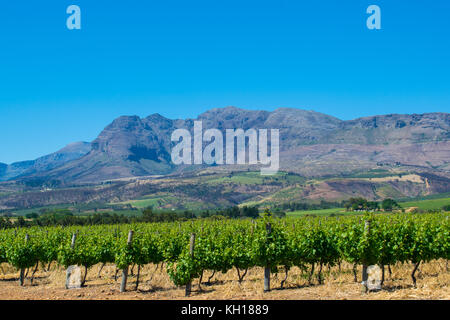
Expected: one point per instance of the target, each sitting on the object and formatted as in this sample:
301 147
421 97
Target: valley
322 158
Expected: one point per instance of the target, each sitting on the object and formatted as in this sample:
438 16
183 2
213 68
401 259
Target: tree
148 215
251 212
205 214
372 205
355 204
389 204
33 215
21 221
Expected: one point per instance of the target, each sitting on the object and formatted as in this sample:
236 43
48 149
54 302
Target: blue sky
181 58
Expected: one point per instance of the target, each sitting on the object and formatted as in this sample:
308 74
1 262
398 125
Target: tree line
65 217
302 206
361 204
352 204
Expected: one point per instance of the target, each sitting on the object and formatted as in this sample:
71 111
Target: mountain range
46 163
312 144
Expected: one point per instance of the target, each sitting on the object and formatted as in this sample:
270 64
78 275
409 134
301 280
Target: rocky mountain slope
311 143
43 164
398 156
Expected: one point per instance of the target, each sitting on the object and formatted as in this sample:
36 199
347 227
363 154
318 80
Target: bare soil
433 281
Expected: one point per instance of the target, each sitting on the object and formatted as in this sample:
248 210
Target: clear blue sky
180 58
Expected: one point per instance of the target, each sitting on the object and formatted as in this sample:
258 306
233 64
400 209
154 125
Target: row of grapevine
222 245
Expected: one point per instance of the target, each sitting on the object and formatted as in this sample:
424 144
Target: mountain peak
224 110
131 146
125 122
54 160
156 116
79 146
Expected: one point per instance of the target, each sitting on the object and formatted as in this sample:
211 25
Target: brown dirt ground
433 281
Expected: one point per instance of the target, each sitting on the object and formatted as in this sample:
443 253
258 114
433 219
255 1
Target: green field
429 204
256 178
166 201
144 203
432 204
24 212
151 202
82 209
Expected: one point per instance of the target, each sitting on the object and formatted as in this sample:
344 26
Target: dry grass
407 177
432 283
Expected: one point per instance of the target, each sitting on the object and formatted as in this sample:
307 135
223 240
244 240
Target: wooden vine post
267 268
364 269
22 271
72 246
191 253
74 237
123 284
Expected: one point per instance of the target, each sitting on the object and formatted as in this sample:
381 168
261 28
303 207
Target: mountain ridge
68 153
132 146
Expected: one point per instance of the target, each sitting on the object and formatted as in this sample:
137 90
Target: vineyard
190 249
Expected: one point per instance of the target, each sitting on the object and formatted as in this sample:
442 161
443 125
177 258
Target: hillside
212 188
43 164
321 158
311 143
